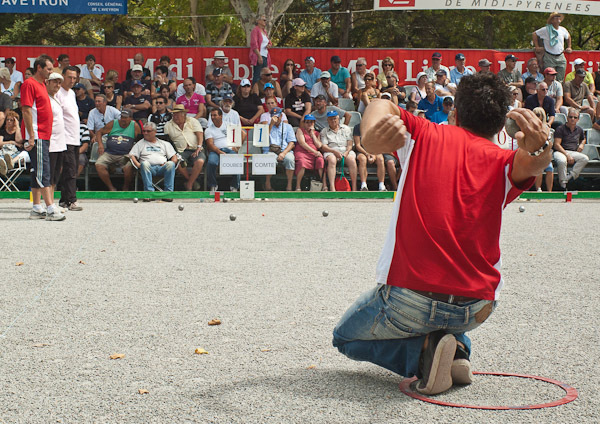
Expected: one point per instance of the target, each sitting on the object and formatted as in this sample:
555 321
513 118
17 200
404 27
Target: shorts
289 161
83 160
115 161
351 155
549 168
56 164
40 164
186 155
387 157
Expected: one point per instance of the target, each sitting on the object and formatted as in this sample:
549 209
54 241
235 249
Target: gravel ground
144 279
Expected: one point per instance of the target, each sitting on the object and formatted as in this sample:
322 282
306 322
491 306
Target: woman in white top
7 86
515 98
418 93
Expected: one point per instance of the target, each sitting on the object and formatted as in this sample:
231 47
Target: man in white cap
326 88
589 77
137 73
57 140
218 63
310 74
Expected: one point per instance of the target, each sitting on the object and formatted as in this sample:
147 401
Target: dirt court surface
144 280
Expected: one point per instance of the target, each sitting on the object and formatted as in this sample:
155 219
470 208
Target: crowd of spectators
307 111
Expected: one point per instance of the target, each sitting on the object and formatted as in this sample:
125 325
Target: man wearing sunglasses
541 99
569 140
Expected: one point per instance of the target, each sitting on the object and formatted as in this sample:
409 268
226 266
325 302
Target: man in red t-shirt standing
439 271
37 129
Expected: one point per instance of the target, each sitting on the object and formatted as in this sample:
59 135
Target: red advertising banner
578 7
192 61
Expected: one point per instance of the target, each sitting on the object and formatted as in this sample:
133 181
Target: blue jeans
387 326
167 170
212 165
256 70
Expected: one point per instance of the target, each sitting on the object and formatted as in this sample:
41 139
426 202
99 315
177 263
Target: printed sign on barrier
230 164
234 135
264 164
261 135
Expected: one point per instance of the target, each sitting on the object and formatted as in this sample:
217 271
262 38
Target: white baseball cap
54 76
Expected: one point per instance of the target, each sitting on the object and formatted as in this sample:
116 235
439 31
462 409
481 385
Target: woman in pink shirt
259 47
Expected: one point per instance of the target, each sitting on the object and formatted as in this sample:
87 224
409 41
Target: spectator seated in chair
336 142
307 151
281 143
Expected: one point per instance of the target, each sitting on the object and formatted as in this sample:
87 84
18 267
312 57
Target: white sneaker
233 189
539 190
33 214
382 187
55 216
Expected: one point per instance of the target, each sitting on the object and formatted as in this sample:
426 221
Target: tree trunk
272 9
346 20
488 31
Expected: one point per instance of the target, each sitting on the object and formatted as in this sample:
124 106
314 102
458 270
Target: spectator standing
310 74
436 65
68 181
259 48
569 140
297 103
218 63
509 74
37 130
306 152
84 103
247 104
533 70
101 115
460 70
340 76
326 88
549 43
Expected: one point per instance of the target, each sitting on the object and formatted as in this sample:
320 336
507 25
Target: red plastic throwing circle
571 393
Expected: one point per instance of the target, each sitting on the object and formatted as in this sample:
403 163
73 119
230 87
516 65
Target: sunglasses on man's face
267 75
573 117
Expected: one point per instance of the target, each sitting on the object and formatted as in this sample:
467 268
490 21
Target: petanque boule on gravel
232 217
325 213
135 200
521 208
180 207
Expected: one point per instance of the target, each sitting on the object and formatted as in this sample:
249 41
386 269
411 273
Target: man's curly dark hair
482 101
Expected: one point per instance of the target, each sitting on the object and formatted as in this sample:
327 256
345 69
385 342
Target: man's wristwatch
544 146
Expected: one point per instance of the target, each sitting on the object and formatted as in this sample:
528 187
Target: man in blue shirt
432 103
460 70
310 74
340 76
441 117
281 143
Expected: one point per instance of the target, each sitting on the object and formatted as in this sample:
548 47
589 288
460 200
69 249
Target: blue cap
269 85
78 85
332 113
309 117
276 111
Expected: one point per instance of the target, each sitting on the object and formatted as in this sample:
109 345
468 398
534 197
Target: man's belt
446 298
552 54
